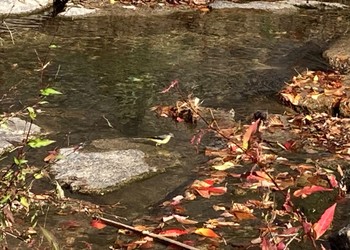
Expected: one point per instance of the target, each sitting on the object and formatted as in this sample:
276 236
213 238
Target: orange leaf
206 232
98 224
250 131
321 226
305 191
173 232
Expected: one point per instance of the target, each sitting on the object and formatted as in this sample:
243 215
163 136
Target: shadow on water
115 67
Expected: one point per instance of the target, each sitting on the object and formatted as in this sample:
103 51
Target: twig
13 41
143 232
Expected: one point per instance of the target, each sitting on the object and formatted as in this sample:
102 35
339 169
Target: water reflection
114 67
117 65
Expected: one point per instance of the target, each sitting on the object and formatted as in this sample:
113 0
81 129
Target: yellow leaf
224 166
315 78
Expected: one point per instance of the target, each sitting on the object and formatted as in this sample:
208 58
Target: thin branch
143 232
13 41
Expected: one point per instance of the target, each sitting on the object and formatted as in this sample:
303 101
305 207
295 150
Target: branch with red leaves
105 221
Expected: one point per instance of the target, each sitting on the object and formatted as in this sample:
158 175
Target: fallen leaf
321 226
173 232
224 166
184 220
97 224
305 191
207 232
249 132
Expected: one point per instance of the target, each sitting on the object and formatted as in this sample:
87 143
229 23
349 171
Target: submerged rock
13 130
98 172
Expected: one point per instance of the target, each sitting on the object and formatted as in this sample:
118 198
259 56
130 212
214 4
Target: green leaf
5 199
32 113
38 176
43 102
49 91
50 238
24 202
19 161
38 142
53 46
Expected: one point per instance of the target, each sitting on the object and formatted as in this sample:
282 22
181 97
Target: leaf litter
258 161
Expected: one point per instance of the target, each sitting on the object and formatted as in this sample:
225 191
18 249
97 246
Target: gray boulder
23 7
13 130
99 172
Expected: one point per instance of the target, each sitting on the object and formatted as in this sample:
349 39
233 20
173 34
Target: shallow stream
113 68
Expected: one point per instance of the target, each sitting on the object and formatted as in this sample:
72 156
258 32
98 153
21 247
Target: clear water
115 67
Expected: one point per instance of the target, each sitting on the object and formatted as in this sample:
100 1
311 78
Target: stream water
113 67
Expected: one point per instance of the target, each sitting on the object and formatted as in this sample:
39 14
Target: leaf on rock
325 221
38 143
173 232
97 224
184 220
250 131
305 191
207 232
224 166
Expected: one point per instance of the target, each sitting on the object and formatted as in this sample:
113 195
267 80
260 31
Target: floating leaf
325 221
97 224
207 232
38 142
205 188
49 91
305 191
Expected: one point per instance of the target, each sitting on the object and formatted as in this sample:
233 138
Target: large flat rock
99 172
23 7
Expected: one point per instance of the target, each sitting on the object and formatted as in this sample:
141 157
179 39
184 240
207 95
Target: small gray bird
161 139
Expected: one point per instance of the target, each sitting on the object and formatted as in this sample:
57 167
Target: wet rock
13 130
289 5
338 55
9 7
317 91
110 164
261 5
96 172
341 239
77 11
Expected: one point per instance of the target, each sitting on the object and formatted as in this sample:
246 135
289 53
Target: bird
161 139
